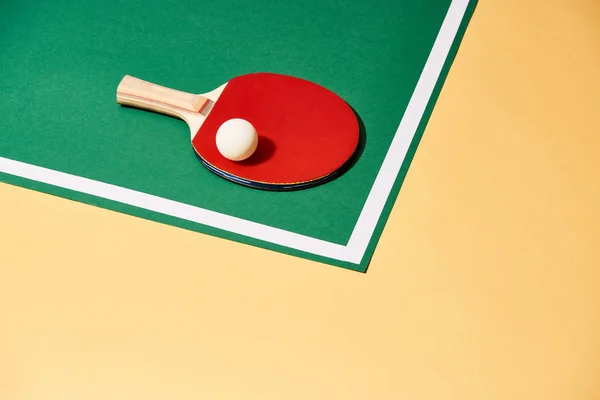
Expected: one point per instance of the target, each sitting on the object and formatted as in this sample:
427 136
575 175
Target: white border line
173 208
369 217
355 250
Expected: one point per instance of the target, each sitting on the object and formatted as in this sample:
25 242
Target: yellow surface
485 284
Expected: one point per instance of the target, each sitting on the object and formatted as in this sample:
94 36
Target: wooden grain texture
145 95
484 285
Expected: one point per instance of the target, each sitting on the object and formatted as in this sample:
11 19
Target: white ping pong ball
236 139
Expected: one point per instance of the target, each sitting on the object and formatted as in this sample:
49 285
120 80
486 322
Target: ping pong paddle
307 133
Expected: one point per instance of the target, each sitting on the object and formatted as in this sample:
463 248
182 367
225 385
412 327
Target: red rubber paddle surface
306 132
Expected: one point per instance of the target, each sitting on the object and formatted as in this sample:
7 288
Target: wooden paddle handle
148 96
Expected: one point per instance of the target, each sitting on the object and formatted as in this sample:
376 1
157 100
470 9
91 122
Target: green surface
62 61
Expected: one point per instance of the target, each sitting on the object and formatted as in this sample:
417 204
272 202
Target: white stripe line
363 231
173 208
371 212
